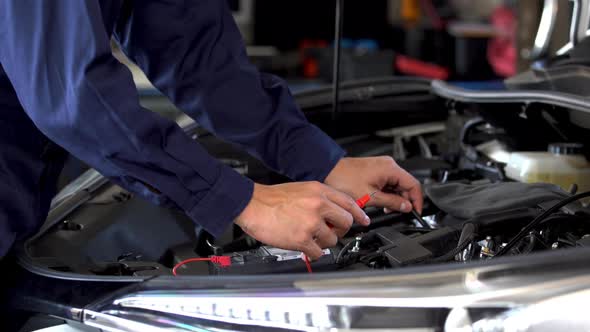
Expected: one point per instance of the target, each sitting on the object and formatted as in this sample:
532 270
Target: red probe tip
362 202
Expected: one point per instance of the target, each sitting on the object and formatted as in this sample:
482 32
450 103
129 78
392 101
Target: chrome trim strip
580 21
546 28
570 101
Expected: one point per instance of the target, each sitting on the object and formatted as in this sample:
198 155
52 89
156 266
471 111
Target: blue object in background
369 45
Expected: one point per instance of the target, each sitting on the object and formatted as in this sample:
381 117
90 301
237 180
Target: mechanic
61 87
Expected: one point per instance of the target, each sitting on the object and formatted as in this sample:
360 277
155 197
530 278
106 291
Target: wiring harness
538 220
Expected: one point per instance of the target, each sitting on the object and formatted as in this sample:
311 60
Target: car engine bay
456 227
460 161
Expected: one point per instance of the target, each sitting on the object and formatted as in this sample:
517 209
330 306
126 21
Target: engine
473 212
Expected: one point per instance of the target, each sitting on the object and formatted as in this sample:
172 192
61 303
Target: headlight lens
283 313
457 301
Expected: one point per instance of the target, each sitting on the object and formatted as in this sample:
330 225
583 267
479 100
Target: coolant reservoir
563 165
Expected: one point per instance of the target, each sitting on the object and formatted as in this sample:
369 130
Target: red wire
223 261
186 261
307 263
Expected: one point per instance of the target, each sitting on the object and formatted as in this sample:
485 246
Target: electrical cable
467 236
378 253
337 53
361 202
344 250
368 258
460 247
528 228
307 264
221 260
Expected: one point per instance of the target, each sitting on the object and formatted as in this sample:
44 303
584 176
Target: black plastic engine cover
400 249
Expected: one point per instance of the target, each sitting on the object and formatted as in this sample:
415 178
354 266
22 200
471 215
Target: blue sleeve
193 52
57 56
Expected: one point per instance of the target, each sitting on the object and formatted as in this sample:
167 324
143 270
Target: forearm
83 99
199 62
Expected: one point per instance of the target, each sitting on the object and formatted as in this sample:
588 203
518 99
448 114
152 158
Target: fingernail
367 219
386 211
404 207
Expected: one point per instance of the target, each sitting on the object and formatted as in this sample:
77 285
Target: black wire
540 240
344 249
528 228
337 53
368 258
528 246
466 237
454 252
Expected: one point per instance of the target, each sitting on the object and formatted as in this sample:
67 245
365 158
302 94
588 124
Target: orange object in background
410 11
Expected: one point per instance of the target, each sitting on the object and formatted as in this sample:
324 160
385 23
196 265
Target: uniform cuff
224 202
313 156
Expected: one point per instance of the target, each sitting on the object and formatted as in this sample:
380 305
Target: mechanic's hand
296 216
397 190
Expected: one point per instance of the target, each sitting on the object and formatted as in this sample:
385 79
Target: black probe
420 220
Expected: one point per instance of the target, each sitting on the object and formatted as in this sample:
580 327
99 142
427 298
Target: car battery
270 260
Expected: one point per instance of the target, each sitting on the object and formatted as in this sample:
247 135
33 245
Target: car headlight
457 301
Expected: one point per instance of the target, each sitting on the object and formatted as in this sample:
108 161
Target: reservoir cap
566 148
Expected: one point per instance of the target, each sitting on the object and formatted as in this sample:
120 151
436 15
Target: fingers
417 198
403 202
392 202
312 250
327 215
326 237
339 219
311 233
410 188
323 237
349 205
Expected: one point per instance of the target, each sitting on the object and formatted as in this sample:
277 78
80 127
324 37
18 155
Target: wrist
333 176
252 210
247 211
232 191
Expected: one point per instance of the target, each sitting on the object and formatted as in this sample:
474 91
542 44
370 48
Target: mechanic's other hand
396 189
305 216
